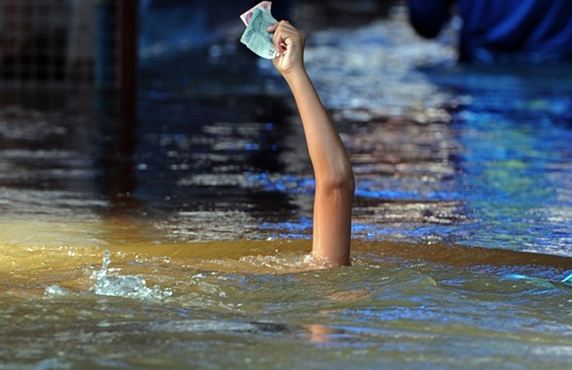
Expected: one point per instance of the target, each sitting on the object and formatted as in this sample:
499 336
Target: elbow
342 182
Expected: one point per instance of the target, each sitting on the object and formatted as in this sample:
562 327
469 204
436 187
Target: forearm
327 154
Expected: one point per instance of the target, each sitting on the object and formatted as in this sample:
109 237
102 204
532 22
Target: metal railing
62 43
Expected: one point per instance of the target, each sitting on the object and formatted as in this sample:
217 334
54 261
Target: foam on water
115 285
56 290
124 285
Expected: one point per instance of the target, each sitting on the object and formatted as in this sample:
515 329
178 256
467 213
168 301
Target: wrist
295 75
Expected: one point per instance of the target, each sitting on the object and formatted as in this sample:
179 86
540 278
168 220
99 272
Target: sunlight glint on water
447 160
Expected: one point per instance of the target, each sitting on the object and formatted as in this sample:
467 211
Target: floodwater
181 241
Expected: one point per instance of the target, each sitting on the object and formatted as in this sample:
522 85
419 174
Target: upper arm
429 16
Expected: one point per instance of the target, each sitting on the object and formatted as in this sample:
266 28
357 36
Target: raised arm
332 168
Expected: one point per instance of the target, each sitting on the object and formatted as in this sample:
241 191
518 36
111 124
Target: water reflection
117 124
516 155
443 154
322 334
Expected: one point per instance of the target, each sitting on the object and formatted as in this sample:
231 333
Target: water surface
205 208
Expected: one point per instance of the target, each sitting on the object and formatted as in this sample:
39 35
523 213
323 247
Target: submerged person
507 31
332 169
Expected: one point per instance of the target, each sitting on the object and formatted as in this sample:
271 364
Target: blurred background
82 43
152 116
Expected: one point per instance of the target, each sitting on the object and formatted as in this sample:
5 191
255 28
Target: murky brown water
204 206
253 304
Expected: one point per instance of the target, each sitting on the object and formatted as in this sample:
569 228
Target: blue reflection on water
473 156
513 174
365 192
516 173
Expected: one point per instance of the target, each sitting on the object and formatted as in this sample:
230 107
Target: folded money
256 37
247 15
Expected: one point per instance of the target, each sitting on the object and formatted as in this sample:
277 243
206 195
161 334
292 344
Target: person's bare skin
334 176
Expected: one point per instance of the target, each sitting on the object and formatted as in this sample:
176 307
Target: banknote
257 38
247 15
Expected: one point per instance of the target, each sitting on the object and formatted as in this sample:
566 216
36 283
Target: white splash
130 286
56 290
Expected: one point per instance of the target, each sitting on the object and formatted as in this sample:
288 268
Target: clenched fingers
285 35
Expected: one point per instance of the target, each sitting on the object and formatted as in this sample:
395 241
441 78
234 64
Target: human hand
289 42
